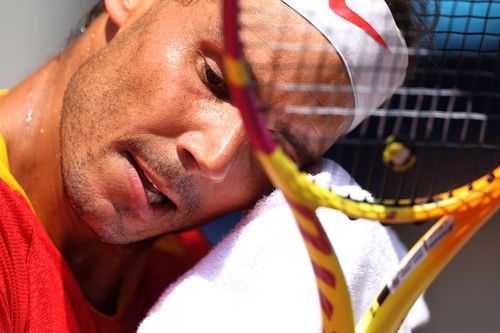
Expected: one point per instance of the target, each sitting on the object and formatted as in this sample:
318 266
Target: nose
213 150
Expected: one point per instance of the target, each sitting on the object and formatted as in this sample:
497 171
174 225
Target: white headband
366 37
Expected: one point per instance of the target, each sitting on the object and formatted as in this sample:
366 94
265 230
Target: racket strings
474 89
467 141
430 126
446 111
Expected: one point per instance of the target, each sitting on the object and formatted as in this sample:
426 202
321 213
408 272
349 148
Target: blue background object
457 30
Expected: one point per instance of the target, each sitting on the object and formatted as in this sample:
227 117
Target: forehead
281 48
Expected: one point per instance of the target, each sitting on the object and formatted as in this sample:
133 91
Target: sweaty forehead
207 14
265 25
191 17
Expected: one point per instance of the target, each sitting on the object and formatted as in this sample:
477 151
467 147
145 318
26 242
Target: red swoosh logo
340 8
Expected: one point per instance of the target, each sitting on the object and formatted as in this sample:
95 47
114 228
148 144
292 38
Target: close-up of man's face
151 143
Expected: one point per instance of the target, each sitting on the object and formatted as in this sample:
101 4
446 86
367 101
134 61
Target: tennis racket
429 152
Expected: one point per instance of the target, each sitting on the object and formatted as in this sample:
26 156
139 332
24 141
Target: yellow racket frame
296 185
467 210
448 236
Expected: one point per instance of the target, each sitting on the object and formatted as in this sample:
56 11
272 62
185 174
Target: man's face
151 143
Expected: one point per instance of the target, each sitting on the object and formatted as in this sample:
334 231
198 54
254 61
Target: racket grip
424 262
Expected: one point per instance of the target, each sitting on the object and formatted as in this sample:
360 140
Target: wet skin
153 103
139 100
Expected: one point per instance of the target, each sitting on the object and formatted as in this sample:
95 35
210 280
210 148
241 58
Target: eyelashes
212 78
211 75
215 82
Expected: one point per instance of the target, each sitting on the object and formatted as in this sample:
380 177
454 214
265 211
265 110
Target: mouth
148 197
153 193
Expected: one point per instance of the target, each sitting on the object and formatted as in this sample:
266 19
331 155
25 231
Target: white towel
259 278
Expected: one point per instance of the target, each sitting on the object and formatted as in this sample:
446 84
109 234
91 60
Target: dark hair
410 17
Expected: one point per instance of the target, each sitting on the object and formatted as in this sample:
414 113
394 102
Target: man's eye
212 77
216 84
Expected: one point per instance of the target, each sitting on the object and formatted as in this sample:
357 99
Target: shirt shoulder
16 231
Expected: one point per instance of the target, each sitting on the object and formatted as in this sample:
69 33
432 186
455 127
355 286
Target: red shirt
38 292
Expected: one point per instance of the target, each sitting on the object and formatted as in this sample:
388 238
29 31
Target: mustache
167 166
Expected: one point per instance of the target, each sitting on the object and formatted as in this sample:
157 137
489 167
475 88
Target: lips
147 198
153 193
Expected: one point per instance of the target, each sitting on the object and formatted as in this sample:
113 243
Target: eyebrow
216 33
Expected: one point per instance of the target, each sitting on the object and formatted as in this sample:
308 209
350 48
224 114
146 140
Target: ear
121 10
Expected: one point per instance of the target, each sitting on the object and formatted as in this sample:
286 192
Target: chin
107 228
108 232
114 230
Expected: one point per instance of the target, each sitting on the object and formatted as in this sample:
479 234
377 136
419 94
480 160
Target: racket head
419 154
444 110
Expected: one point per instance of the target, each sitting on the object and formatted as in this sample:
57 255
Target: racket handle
424 262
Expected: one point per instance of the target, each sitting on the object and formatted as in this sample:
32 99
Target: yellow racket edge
424 262
297 186
334 297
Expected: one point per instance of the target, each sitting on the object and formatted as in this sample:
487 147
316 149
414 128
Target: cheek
160 97
128 87
246 184
95 100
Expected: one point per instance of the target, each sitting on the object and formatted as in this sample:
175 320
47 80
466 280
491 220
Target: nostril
188 160
210 152
204 161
